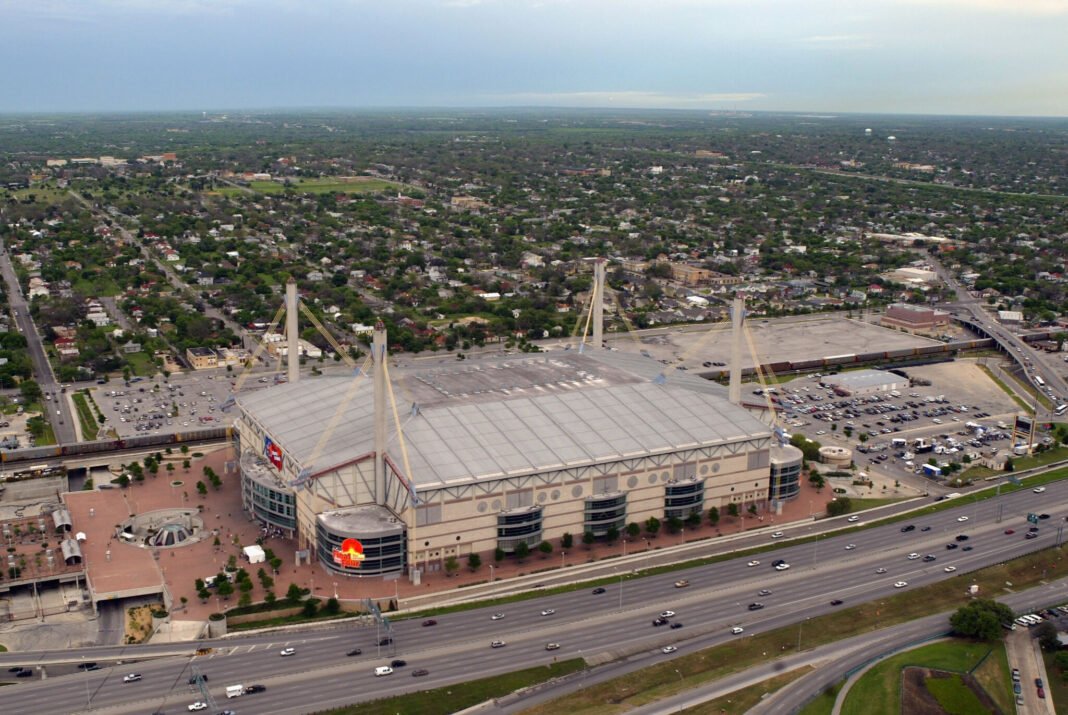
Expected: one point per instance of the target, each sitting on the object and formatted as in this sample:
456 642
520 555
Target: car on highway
131 678
682 583
1031 535
753 563
287 652
907 528
398 663
1010 531
599 590
763 592
667 614
198 705
782 567
737 629
929 558
385 641
913 556
252 689
962 518
1043 516
552 646
496 616
193 678
1038 490
383 670
950 546
420 672
548 612
967 548
880 570
962 537
676 625
836 602
498 644
901 584
853 519
668 649
950 569
355 651
777 535
429 622
850 547
755 606
926 528
658 621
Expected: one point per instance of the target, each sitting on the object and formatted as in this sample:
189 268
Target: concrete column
292 337
734 392
598 303
379 357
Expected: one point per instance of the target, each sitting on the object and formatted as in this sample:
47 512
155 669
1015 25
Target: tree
588 538
752 509
816 480
567 540
982 619
333 607
545 548
294 593
452 565
202 489
245 599
225 589
674 525
652 526
841 505
474 562
1046 633
611 535
498 554
732 510
311 607
694 519
276 563
713 516
521 551
30 391
633 530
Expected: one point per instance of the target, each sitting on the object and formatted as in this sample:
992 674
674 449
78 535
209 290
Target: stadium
375 477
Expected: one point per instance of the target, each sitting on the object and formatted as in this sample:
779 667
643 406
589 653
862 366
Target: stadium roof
516 415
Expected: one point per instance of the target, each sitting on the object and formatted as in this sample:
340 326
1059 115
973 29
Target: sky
971 57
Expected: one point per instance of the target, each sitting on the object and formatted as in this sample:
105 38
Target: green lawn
954 696
823 704
330 185
85 416
878 691
141 364
1056 685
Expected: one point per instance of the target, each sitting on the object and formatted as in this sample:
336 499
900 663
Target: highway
594 627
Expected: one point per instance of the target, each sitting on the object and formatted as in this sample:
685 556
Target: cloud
837 42
627 99
1009 7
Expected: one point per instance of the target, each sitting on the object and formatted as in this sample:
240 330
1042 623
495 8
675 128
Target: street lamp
678 674
491 573
562 555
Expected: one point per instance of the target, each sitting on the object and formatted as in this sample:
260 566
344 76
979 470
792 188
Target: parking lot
962 412
183 402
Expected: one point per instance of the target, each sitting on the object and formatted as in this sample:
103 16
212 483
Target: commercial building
914 317
865 382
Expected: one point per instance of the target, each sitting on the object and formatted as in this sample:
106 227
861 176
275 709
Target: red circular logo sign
349 554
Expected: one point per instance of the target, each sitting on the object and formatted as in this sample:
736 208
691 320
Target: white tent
254 554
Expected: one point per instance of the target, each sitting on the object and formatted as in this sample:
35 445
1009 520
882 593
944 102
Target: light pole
624 548
678 674
88 697
491 573
562 555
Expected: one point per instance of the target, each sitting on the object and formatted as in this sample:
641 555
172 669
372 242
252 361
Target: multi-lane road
592 626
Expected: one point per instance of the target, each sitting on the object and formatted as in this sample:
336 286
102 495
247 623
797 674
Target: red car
1010 531
430 622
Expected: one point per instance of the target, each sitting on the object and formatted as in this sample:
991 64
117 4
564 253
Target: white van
383 670
235 691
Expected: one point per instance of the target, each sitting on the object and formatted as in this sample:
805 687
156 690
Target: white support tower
379 357
598 303
292 337
734 391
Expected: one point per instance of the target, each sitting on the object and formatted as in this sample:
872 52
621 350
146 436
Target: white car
753 563
552 646
668 649
383 670
901 584
950 569
880 570
737 629
548 612
496 616
777 535
197 706
913 556
287 651
782 567
667 614
850 547
1038 490
497 644
131 678
853 519
962 518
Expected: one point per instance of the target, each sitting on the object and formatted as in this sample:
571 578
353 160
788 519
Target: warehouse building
865 382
